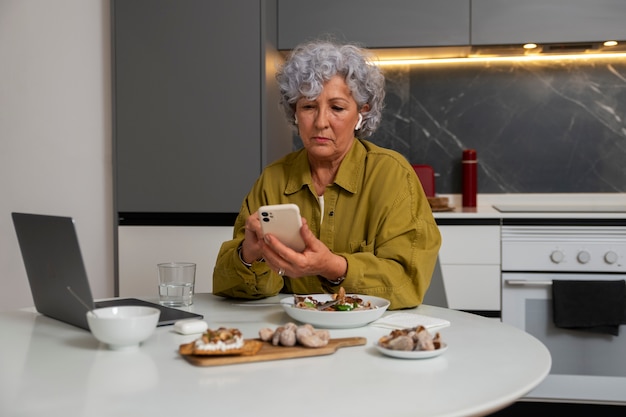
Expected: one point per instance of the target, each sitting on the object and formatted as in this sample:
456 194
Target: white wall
55 131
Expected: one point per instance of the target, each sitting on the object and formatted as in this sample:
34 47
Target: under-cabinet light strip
388 62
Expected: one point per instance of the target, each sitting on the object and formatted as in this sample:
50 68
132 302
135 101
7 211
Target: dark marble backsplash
537 127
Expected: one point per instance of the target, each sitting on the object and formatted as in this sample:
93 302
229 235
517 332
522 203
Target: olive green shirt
376 216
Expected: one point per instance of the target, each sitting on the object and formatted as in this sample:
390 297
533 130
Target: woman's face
326 124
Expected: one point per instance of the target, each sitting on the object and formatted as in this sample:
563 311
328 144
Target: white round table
51 368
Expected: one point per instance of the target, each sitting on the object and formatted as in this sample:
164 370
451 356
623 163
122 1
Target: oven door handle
522 282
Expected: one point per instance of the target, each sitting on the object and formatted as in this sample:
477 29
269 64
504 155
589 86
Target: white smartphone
284 222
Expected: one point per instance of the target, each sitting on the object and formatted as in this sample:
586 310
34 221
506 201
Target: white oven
587 367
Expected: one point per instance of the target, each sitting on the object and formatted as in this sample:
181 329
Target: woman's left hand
315 259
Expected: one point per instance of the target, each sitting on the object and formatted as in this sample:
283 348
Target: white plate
412 354
336 319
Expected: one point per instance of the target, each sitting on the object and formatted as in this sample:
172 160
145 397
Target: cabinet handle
527 282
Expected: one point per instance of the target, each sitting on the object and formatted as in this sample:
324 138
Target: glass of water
176 283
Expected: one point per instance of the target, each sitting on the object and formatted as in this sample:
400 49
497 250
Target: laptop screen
53 262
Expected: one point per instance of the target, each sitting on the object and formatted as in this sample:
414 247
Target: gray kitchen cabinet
375 23
496 22
195 116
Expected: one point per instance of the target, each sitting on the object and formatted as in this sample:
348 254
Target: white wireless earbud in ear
295 119
358 124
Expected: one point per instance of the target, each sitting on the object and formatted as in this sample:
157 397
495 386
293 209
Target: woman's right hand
251 248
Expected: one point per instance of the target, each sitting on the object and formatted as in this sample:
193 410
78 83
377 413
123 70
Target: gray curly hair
312 64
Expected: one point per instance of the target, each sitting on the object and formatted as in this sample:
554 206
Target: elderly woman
367 224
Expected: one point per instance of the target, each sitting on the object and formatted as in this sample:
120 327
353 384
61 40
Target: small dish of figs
411 343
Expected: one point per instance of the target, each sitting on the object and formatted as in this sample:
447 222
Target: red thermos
470 163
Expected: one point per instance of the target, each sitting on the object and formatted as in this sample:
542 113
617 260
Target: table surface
51 368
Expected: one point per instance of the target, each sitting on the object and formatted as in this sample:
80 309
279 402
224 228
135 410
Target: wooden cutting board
269 352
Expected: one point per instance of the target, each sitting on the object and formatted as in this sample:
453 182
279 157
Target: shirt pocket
361 246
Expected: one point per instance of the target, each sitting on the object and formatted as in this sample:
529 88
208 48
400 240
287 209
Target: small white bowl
123 327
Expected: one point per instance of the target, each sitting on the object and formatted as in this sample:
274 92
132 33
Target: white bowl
336 319
123 327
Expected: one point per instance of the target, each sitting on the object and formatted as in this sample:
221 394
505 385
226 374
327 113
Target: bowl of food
123 327
335 311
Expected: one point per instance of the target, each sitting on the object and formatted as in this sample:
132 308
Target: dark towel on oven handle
595 306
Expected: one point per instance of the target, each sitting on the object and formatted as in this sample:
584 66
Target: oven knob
557 256
583 257
610 257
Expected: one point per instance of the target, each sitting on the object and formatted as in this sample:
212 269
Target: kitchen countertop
577 202
51 368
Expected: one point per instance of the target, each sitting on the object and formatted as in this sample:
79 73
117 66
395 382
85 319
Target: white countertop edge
485 202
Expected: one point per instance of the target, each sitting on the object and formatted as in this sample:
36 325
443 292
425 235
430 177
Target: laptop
57 276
